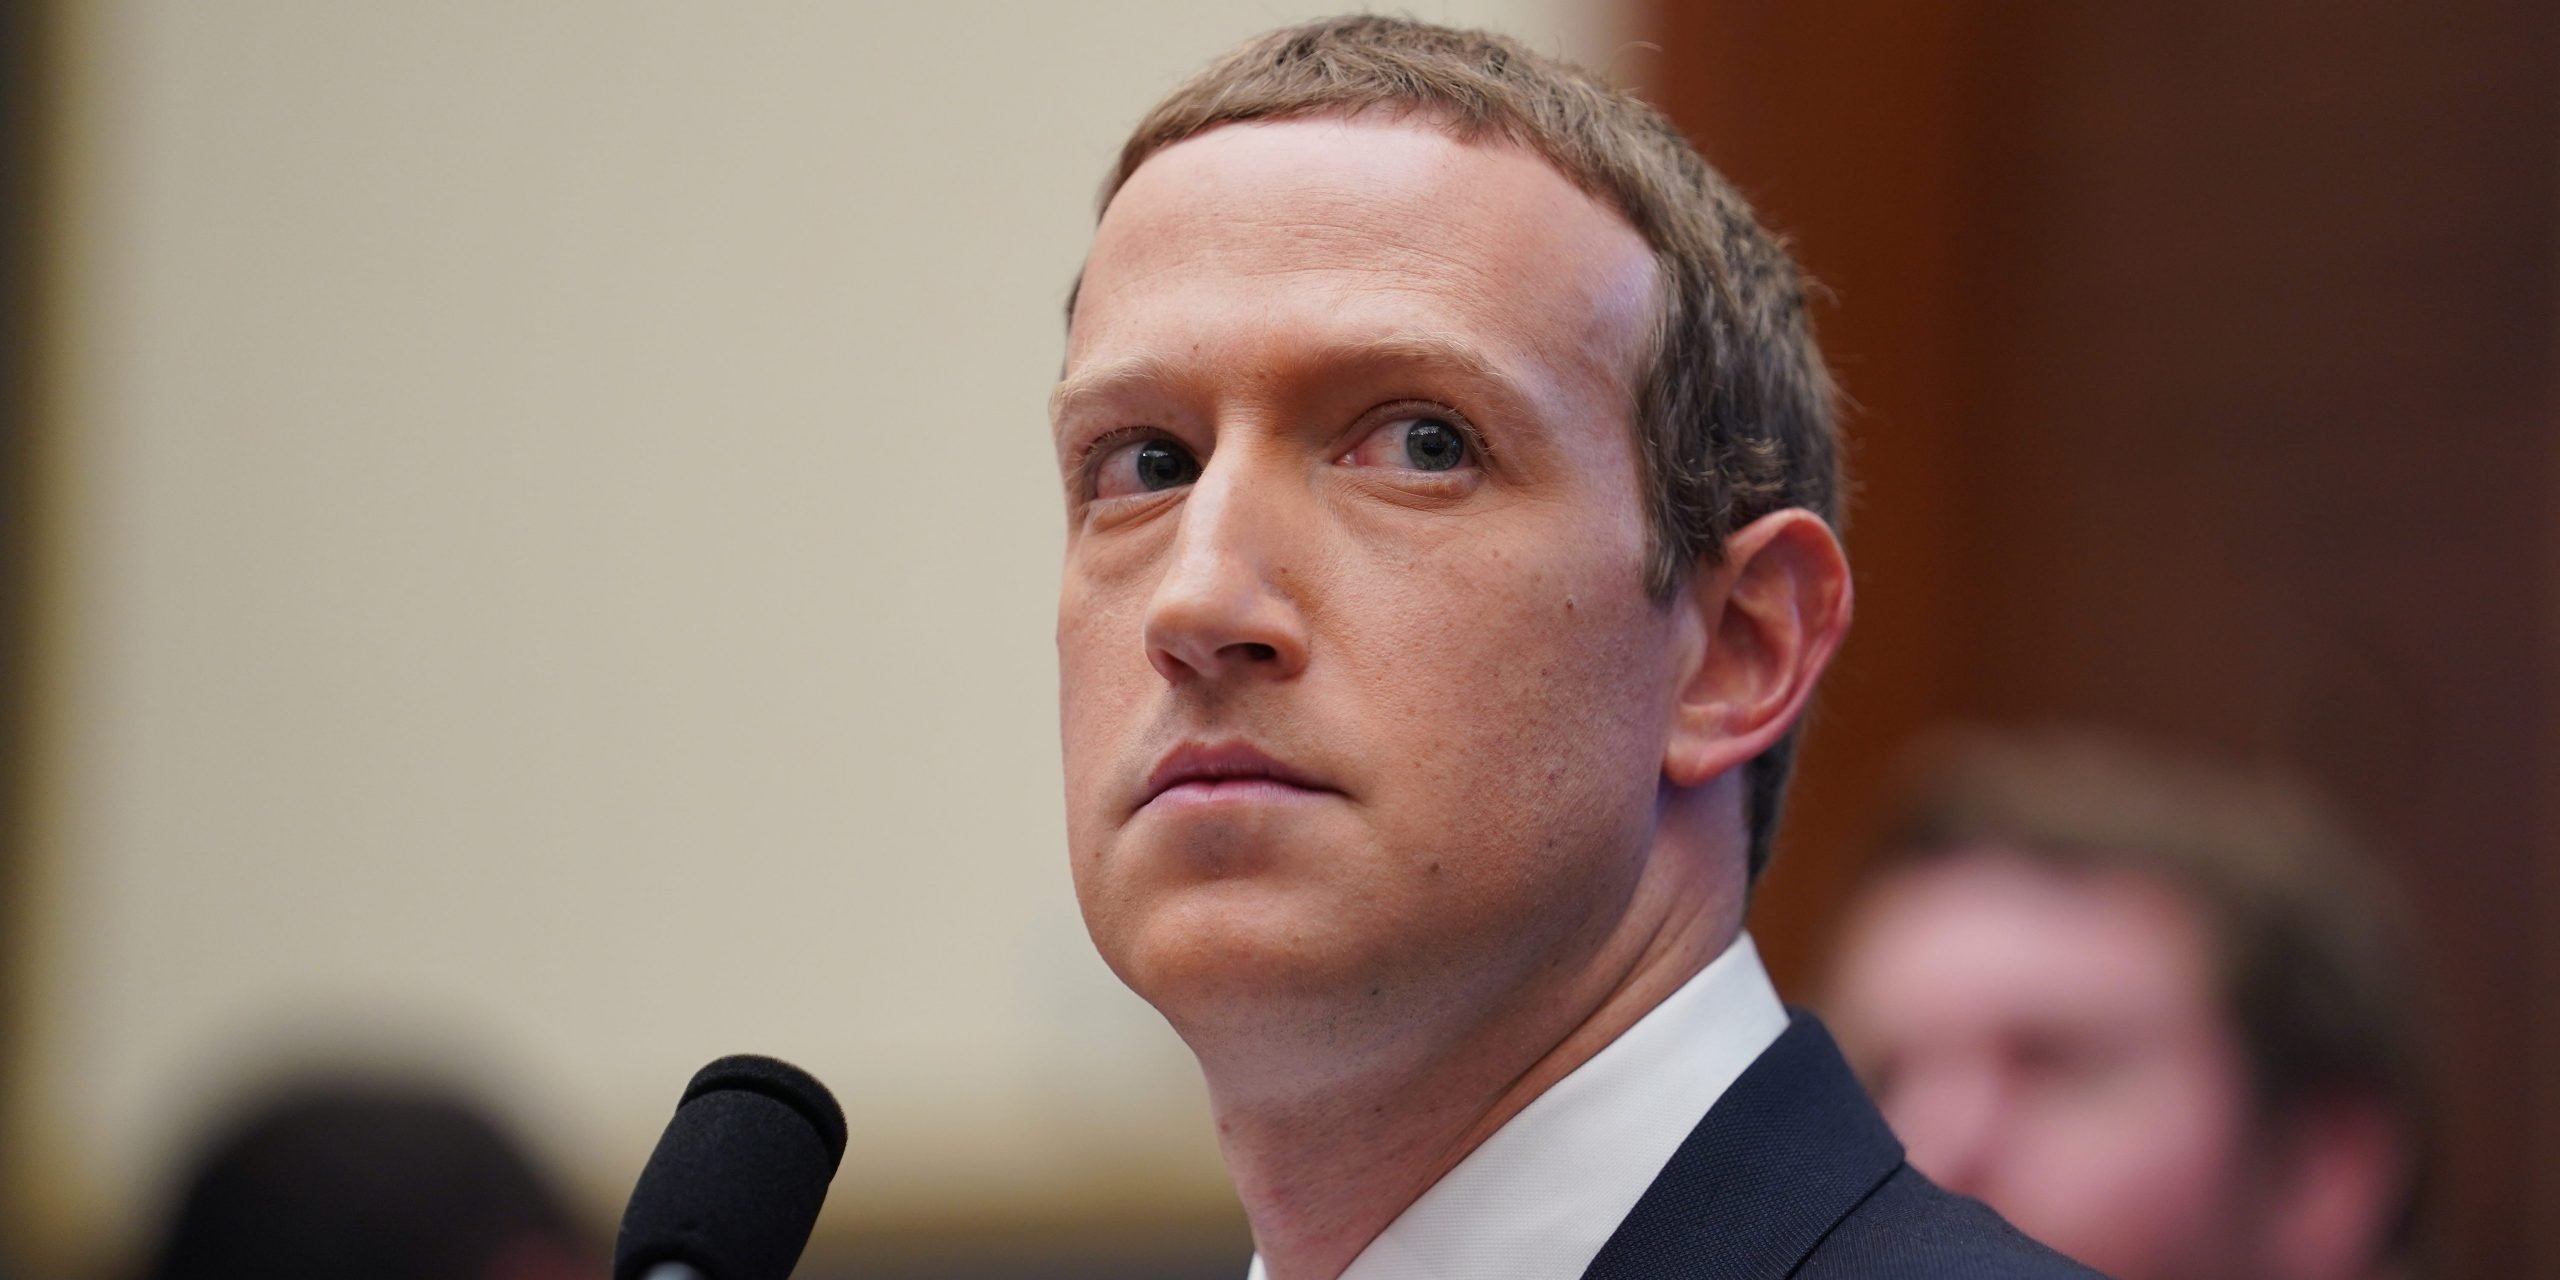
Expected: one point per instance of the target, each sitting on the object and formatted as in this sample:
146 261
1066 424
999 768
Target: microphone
735 1184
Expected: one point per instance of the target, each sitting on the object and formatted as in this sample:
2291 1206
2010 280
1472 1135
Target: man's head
2148 1009
331 1178
1443 448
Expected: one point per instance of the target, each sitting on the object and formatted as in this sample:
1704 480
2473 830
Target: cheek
2130 1183
1102 670
1511 699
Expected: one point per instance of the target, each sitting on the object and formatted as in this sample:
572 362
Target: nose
1949 1120
1225 607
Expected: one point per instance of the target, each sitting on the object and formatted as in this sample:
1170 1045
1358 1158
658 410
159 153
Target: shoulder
1909 1228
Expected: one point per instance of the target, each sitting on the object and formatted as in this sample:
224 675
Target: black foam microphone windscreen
735 1185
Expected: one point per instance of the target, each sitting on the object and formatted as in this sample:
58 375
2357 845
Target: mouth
1235 772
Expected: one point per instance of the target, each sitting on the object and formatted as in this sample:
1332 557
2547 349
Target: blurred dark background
22 94
2203 359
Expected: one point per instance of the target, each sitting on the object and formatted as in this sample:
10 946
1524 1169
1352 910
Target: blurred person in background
368 1180
2153 1011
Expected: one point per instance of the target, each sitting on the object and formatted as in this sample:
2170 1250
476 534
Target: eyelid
1090 455
1101 443
1395 411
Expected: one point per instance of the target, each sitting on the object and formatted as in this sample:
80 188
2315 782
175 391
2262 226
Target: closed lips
1226 762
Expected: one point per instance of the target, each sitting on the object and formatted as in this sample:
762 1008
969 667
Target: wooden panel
2206 353
1862 166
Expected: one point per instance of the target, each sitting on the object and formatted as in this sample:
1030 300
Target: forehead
1343 230
1987 938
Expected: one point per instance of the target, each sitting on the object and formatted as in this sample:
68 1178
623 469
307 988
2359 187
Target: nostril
1260 652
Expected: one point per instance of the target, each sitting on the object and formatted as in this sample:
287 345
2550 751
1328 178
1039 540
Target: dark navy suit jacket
1793 1174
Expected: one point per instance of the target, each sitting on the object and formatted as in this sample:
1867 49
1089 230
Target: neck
1321 1171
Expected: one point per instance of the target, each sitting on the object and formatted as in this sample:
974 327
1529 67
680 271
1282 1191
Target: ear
1762 625
2335 1198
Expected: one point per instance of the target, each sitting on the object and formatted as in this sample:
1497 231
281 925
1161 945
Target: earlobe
1770 617
2335 1209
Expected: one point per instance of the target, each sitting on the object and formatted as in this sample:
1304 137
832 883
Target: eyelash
1090 455
1101 446
1398 410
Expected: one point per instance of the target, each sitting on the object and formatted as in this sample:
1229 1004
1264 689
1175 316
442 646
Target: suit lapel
1787 1152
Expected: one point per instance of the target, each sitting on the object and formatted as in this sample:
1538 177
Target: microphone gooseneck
734 1186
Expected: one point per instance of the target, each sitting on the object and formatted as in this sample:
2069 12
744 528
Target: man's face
1361 690
2049 1041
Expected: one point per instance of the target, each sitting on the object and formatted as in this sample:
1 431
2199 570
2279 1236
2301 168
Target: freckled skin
1477 669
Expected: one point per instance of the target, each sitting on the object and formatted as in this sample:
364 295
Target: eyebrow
1105 381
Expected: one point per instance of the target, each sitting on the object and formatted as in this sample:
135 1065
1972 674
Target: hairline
1652 345
2214 914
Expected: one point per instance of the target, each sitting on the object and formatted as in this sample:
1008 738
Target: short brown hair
1733 407
2313 967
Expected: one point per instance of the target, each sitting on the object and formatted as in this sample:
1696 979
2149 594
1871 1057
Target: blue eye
1162 464
1150 465
1420 444
1433 445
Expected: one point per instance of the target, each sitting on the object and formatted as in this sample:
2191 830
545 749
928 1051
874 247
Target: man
2148 1009
1449 477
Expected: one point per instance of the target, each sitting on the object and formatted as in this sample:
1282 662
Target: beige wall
548 569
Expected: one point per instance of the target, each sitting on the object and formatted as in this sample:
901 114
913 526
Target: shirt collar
1537 1199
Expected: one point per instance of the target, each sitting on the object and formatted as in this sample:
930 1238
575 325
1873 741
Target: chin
1229 947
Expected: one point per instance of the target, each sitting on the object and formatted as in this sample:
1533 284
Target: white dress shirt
1538 1198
